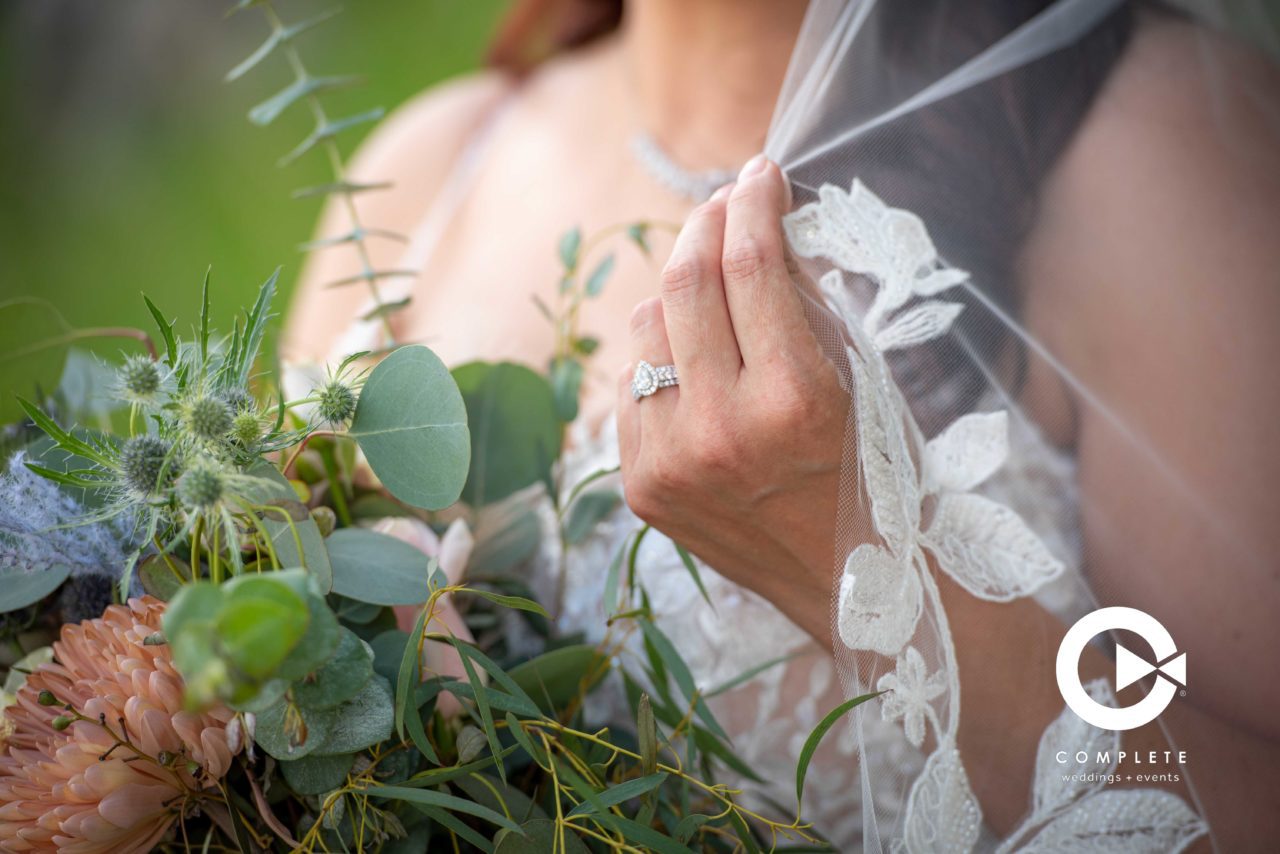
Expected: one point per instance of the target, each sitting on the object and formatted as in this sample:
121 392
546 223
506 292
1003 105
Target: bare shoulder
413 150
1173 178
429 127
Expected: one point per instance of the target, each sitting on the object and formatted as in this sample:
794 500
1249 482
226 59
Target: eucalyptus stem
367 272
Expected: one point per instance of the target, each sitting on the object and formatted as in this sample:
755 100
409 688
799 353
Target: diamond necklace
694 186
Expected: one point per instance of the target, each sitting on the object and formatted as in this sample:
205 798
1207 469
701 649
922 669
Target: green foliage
377 568
514 429
412 426
20 588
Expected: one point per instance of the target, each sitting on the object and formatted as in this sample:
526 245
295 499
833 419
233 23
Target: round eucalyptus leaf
340 679
315 775
260 623
19 588
388 649
317 645
556 677
362 721
411 424
515 432
377 568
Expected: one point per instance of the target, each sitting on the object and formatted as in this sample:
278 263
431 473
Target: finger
649 345
763 302
693 302
628 416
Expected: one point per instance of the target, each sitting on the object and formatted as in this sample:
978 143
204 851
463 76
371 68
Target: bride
990 333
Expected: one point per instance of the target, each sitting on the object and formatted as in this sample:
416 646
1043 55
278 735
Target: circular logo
1129 668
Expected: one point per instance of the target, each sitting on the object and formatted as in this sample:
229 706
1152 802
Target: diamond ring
648 379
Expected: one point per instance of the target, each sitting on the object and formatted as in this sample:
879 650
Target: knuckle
644 315
747 257
684 273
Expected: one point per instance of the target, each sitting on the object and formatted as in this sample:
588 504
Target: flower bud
337 402
208 418
46 698
145 463
140 379
61 722
202 486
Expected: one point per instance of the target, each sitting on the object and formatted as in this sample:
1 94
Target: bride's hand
740 463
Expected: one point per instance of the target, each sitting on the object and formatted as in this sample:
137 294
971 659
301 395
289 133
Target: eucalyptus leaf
590 509
377 568
556 677
315 775
515 431
451 803
411 423
615 795
600 275
158 579
539 837
341 678
20 588
566 383
570 244
815 737
259 623
272 489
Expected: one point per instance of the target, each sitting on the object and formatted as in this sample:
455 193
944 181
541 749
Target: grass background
130 166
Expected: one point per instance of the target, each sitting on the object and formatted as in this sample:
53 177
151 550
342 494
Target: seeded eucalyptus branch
307 88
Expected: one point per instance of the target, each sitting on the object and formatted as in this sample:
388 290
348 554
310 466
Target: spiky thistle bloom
207 418
202 486
336 402
115 774
148 464
140 380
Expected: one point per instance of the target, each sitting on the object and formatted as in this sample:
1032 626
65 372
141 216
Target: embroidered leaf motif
917 325
859 233
886 463
988 549
939 280
1121 821
942 813
879 601
967 452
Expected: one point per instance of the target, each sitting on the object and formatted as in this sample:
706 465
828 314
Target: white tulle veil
917 137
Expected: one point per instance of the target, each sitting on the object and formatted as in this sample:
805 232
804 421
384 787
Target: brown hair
535 30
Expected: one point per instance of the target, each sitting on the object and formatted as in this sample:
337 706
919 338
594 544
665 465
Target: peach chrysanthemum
57 792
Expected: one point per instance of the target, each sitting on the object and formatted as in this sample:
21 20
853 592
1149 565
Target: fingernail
754 166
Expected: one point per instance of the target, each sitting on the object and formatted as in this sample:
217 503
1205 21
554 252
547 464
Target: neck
706 73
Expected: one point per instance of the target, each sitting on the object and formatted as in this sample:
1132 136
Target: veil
919 139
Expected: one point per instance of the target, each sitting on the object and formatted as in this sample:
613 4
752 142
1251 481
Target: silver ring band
647 379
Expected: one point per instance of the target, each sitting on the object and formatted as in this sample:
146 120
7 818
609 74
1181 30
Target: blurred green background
130 166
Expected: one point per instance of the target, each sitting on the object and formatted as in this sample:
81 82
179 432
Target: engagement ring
648 379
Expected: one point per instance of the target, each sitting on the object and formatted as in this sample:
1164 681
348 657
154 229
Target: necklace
694 186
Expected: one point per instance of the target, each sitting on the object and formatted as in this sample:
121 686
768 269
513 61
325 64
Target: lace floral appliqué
986 547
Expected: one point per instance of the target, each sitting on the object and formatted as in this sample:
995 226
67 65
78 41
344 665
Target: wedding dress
915 137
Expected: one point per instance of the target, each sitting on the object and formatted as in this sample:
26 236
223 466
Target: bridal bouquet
199 596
